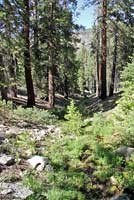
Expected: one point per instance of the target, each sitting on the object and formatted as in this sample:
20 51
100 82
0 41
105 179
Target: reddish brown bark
111 90
97 61
27 57
52 59
102 71
51 90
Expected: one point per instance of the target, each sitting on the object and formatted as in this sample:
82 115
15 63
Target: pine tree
27 57
102 71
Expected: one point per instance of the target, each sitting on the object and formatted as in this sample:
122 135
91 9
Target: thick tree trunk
52 59
12 69
65 5
3 81
102 71
97 63
111 89
36 43
51 89
27 58
65 87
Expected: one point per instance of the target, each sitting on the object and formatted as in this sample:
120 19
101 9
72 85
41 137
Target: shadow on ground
89 105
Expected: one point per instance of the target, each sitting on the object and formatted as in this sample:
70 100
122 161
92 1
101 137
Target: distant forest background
43 52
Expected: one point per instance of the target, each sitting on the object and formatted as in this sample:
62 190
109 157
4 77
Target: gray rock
39 134
2 138
6 159
3 130
50 129
57 132
16 190
14 130
113 180
49 168
120 197
5 191
38 162
24 124
126 152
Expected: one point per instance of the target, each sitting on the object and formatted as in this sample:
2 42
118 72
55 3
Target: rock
57 131
113 180
120 197
24 124
38 162
50 129
126 152
15 190
3 130
2 138
14 130
6 192
6 159
2 126
39 134
49 168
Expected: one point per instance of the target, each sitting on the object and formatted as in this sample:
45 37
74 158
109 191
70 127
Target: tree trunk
97 62
27 57
102 71
65 87
52 59
65 58
111 89
12 69
36 42
3 81
51 89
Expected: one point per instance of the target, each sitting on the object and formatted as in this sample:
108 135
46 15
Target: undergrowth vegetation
35 115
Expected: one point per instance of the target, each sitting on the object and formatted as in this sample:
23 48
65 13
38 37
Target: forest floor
91 104
26 138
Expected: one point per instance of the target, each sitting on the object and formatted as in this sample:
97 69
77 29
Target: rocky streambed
12 168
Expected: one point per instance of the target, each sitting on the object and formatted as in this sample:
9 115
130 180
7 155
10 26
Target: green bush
126 103
59 194
68 178
125 110
74 120
31 181
101 126
35 115
25 145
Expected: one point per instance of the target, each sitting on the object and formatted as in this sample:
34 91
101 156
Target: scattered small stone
57 131
2 138
6 191
6 141
17 190
14 130
121 197
38 162
126 152
113 180
6 159
50 129
49 168
39 134
24 125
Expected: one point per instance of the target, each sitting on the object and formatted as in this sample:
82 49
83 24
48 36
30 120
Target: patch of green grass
35 115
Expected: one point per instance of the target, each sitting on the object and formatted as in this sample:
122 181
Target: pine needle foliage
74 119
